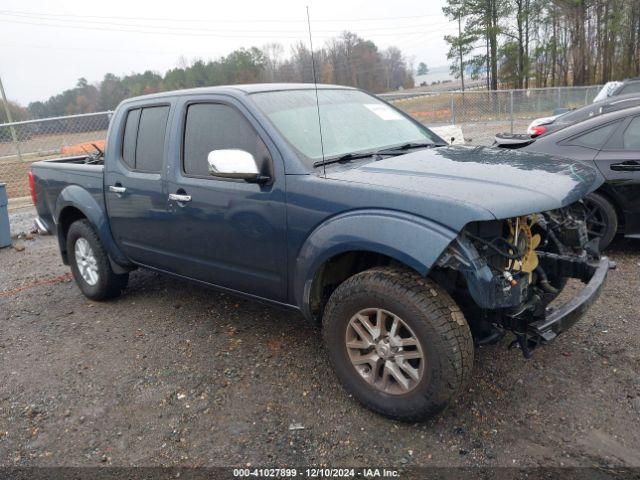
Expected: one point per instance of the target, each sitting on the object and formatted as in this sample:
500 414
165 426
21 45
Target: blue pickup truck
409 253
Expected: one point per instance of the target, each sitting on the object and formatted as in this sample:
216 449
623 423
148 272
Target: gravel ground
175 374
21 221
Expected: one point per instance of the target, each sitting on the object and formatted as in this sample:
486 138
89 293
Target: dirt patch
175 374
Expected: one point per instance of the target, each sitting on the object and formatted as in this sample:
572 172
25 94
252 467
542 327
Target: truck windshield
352 121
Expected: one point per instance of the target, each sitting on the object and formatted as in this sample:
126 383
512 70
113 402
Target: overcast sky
46 46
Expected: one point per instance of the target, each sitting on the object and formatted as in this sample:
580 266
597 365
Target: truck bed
76 160
53 176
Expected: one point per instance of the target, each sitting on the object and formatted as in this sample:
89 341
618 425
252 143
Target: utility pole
10 120
460 48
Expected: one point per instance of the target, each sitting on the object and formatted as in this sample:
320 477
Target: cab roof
244 89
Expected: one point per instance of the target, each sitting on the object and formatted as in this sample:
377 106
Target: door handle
629 166
117 189
179 198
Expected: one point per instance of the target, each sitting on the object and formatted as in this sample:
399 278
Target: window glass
631 136
129 141
614 105
633 87
580 114
595 138
351 120
215 127
150 146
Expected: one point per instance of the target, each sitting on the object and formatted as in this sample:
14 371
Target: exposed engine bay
505 273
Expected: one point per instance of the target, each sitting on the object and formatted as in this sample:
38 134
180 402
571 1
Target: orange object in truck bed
83 148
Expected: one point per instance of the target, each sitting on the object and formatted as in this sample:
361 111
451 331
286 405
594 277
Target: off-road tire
109 284
437 322
610 217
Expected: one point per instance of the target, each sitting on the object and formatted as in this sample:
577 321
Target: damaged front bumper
522 306
558 320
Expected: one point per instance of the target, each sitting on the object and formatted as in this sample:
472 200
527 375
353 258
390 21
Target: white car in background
607 90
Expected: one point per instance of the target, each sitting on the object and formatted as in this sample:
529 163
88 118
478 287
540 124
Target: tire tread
110 284
453 334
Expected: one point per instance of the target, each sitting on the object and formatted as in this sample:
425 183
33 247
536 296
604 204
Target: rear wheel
398 342
602 219
90 264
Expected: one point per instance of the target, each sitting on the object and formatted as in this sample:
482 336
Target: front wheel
90 263
602 219
398 342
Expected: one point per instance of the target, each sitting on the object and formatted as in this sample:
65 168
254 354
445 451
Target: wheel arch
75 203
356 241
606 192
67 216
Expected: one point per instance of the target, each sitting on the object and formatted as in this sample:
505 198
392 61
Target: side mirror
233 163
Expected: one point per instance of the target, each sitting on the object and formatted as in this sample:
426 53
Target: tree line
345 60
523 43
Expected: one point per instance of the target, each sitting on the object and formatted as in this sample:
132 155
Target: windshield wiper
385 151
406 146
344 158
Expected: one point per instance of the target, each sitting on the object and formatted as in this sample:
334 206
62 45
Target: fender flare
79 198
414 241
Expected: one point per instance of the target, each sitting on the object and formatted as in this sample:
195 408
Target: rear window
580 114
612 104
130 135
143 141
150 146
633 87
594 138
631 136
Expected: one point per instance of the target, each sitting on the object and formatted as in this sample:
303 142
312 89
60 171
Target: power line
152 32
74 21
188 34
102 50
201 20
382 31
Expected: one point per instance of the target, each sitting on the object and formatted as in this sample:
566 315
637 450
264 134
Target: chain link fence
481 114
22 143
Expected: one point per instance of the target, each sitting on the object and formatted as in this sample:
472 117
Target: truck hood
507 183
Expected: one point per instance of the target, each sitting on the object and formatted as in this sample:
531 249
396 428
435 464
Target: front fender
77 197
414 241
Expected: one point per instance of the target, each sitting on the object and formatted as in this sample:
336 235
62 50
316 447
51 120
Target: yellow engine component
520 235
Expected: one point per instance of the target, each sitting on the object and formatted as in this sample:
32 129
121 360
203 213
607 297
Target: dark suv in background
630 85
547 125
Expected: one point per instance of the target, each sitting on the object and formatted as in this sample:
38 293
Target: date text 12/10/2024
316 472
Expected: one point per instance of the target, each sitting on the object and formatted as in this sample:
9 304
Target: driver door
229 232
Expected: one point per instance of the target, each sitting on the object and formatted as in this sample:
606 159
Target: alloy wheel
86 261
595 219
385 351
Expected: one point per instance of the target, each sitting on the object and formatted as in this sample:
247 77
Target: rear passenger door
135 184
